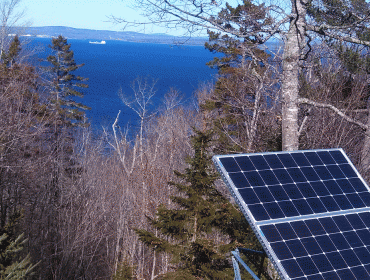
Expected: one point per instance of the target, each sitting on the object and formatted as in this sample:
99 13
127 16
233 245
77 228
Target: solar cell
310 210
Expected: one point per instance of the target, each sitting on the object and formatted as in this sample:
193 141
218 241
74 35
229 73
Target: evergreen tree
354 58
9 57
188 231
244 88
339 13
13 267
124 272
66 83
345 21
64 114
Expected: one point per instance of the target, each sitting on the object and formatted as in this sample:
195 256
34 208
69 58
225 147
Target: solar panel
309 209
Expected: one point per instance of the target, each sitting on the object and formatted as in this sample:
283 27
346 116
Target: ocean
116 64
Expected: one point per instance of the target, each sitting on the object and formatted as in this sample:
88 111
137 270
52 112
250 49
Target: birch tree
295 23
11 19
143 94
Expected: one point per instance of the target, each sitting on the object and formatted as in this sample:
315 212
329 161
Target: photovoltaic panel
310 210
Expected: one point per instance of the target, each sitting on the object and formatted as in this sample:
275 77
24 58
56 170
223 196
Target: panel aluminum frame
256 225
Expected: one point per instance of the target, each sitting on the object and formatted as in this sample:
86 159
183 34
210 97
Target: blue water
116 64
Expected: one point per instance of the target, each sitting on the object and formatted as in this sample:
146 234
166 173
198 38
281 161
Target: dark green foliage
66 83
349 15
124 272
12 266
339 13
9 57
240 94
189 231
235 111
247 19
354 58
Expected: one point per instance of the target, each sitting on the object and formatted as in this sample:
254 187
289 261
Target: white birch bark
365 153
294 40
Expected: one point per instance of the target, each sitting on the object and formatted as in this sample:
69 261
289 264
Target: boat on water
98 43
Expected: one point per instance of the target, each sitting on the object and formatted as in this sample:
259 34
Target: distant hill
76 33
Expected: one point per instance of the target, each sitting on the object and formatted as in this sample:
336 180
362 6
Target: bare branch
334 109
305 119
201 16
324 30
10 19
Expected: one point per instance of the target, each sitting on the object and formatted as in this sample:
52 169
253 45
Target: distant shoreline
124 41
106 35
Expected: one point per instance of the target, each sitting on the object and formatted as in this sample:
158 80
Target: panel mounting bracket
236 259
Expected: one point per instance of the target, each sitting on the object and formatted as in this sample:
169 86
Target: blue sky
90 14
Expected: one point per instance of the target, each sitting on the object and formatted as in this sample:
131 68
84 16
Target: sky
87 14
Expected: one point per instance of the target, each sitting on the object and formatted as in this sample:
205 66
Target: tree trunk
294 43
152 277
365 153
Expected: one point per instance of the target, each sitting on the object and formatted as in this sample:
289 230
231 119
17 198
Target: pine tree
66 84
187 232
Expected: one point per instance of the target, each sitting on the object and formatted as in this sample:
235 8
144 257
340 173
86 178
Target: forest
146 202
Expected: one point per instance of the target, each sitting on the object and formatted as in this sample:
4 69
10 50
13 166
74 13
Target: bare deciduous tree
145 164
257 23
143 93
12 20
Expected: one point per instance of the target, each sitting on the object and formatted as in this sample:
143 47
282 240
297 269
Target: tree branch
198 16
334 109
305 119
324 31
